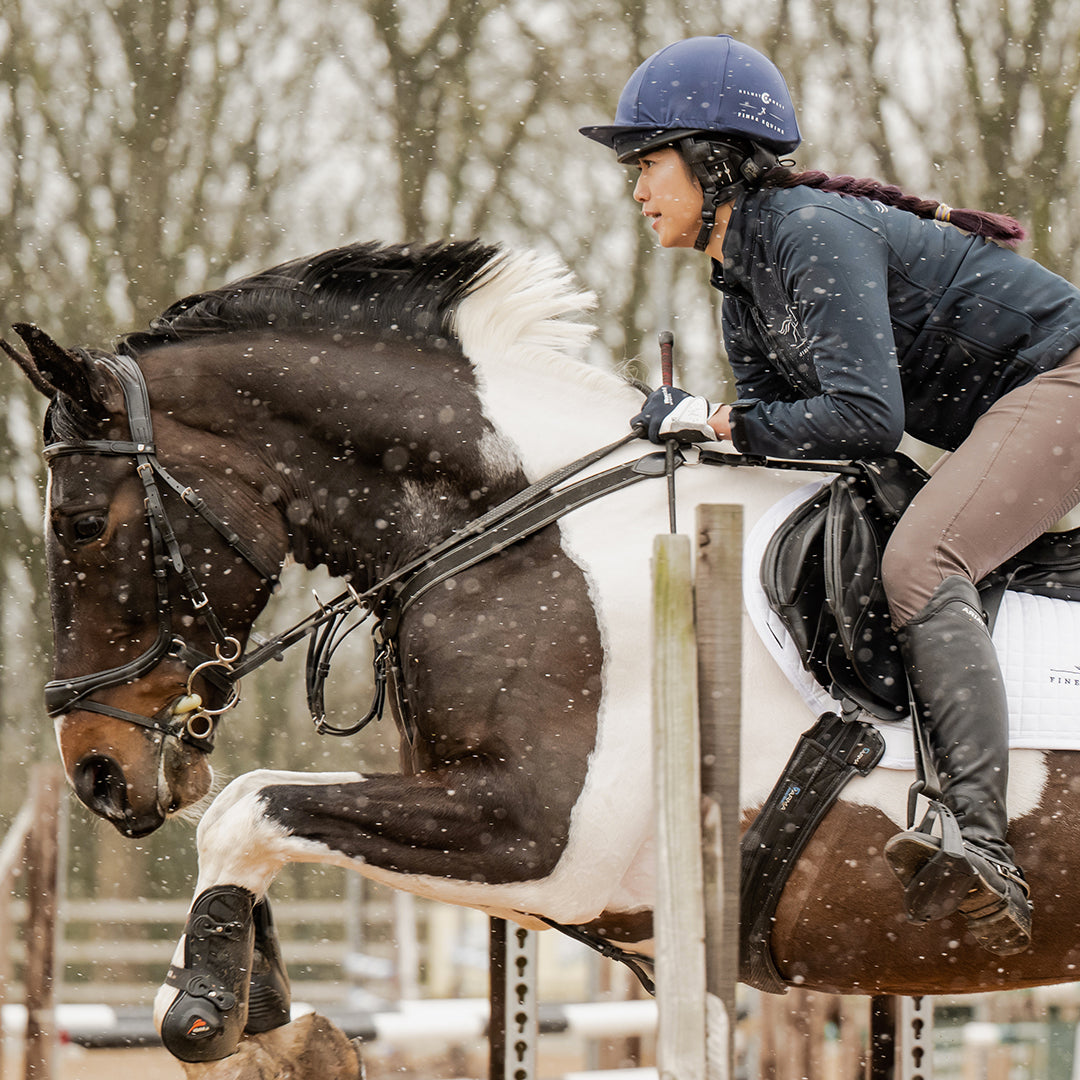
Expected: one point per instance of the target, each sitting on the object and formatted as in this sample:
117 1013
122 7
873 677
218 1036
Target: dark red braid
999 227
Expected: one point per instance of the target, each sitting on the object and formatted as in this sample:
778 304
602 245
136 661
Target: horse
378 410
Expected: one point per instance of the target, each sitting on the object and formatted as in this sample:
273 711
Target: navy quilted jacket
848 322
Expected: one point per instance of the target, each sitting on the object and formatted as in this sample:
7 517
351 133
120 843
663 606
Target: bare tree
140 157
143 155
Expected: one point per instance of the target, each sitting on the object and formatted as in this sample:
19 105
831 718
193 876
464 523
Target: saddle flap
857 528
792 571
853 543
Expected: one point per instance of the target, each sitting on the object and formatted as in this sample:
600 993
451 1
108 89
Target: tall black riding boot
963 714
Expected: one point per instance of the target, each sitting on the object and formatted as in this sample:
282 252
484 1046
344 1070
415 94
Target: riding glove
671 413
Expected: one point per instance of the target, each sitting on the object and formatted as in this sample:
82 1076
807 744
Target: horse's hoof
206 1019
269 996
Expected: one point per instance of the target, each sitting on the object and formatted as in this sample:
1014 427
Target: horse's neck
356 490
377 457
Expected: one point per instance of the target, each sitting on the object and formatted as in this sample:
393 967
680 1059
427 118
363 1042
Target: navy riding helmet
709 85
722 104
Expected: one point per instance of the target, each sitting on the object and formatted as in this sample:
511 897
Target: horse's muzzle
100 785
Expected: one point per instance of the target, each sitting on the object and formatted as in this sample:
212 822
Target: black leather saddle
821 573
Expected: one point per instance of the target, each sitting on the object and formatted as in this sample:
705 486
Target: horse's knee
234 840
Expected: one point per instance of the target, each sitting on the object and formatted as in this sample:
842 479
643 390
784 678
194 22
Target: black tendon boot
207 1017
957 686
268 1001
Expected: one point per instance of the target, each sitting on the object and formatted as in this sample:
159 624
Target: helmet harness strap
721 169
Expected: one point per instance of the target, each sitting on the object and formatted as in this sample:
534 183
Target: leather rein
186 717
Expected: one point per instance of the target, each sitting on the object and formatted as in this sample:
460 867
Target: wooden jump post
513 1026
32 844
696 704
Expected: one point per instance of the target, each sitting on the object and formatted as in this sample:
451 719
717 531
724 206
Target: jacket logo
792 328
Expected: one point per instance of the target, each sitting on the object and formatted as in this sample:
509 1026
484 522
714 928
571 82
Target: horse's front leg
227 976
465 832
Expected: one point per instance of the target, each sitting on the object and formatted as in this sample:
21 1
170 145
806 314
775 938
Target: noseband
186 717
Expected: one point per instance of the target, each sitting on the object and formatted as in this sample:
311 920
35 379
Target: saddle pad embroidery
1037 639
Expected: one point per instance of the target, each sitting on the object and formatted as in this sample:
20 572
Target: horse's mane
411 290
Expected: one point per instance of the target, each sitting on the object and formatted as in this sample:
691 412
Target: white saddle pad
1037 639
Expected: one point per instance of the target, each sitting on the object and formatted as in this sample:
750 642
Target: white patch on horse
521 329
238 844
498 455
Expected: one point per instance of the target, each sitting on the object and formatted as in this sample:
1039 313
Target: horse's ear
54 370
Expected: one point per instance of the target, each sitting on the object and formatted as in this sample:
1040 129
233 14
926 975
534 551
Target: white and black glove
671 413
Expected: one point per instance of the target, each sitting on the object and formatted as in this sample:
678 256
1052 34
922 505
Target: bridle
186 717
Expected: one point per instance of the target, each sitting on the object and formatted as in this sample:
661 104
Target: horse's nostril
99 783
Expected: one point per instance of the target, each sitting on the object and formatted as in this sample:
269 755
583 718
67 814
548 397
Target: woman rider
853 312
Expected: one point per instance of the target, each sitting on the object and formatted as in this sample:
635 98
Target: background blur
155 147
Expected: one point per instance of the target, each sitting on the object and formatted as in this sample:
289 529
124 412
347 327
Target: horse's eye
88 527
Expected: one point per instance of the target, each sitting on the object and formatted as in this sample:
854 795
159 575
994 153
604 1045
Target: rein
186 718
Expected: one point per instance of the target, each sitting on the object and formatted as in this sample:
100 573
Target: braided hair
999 227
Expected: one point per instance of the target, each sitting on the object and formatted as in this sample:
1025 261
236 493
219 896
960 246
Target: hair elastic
942 212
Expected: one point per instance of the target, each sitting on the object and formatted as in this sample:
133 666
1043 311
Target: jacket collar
733 274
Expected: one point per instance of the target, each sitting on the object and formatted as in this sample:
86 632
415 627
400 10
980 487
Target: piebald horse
353 410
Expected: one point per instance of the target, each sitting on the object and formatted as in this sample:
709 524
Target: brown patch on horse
840 925
627 928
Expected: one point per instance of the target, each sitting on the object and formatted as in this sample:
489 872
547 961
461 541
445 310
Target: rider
851 313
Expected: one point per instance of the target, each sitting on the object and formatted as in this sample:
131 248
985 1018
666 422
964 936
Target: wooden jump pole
34 841
901 1038
695 924
718 619
679 914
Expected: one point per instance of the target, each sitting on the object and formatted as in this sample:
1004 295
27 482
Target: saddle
821 574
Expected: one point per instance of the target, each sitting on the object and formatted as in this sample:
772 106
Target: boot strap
201 986
1011 873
